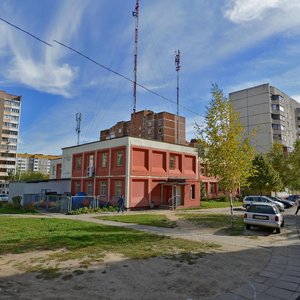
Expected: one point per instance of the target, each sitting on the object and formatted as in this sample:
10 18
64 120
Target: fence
61 203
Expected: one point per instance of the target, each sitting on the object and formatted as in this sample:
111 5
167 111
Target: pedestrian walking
121 204
297 202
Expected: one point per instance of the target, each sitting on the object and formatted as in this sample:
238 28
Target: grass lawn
221 221
142 219
218 204
10 210
87 241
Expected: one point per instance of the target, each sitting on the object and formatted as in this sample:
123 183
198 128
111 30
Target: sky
234 43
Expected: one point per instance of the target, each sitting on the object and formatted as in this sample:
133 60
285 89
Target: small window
103 188
90 188
91 160
172 164
77 187
104 160
118 188
119 158
192 191
78 163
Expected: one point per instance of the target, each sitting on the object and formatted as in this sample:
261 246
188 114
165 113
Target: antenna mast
136 15
78 121
177 65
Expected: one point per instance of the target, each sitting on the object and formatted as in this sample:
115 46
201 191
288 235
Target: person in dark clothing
120 204
297 202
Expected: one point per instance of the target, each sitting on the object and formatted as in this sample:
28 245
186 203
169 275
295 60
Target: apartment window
89 188
193 191
120 158
278 127
118 188
78 163
277 97
104 160
103 188
172 163
149 123
10 132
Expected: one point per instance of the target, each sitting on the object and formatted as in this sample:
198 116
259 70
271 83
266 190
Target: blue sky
235 43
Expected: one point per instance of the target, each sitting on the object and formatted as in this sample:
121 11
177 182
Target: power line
100 65
32 35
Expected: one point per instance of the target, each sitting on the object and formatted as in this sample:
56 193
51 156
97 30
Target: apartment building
10 110
163 126
34 162
270 113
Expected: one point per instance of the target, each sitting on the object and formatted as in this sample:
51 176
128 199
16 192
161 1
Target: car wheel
248 227
278 230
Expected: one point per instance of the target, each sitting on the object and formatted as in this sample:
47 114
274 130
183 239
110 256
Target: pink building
145 171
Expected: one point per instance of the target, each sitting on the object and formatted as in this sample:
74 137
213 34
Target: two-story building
144 171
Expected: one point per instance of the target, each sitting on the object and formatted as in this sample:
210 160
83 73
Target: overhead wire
99 64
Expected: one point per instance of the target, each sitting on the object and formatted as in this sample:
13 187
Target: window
103 188
118 188
172 163
89 188
119 158
77 187
104 160
149 123
78 163
192 191
91 160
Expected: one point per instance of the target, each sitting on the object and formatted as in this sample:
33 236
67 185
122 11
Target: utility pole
177 65
78 121
136 34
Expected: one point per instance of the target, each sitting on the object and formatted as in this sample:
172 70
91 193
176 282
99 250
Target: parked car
292 197
264 215
286 203
261 199
3 198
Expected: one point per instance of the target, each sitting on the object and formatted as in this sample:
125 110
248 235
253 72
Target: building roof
4 95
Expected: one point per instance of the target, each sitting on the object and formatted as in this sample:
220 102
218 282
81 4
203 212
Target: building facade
34 162
145 172
10 110
273 116
163 126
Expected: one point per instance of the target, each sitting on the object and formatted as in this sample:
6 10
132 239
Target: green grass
217 221
10 210
218 204
142 219
87 241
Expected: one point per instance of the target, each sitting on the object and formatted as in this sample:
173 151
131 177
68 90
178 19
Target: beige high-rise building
10 110
273 115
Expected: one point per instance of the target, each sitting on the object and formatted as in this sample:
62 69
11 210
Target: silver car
261 199
263 215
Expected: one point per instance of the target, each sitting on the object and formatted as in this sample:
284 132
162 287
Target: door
176 194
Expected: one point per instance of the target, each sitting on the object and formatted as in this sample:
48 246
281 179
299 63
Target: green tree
280 162
228 153
294 168
27 176
266 179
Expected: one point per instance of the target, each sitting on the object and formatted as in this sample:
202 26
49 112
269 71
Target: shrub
16 201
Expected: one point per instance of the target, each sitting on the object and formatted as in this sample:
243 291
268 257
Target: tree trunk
231 209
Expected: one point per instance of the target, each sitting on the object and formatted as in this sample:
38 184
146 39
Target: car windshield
261 209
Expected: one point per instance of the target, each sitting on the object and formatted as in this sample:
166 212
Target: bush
16 201
87 210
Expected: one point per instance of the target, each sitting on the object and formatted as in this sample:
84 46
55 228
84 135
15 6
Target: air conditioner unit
90 171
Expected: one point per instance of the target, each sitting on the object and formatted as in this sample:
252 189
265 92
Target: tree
266 179
27 176
228 153
280 162
294 168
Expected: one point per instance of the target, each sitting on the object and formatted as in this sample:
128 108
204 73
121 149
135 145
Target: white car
264 215
3 198
261 199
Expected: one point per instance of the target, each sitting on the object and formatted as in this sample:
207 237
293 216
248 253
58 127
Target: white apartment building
10 110
34 162
270 113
